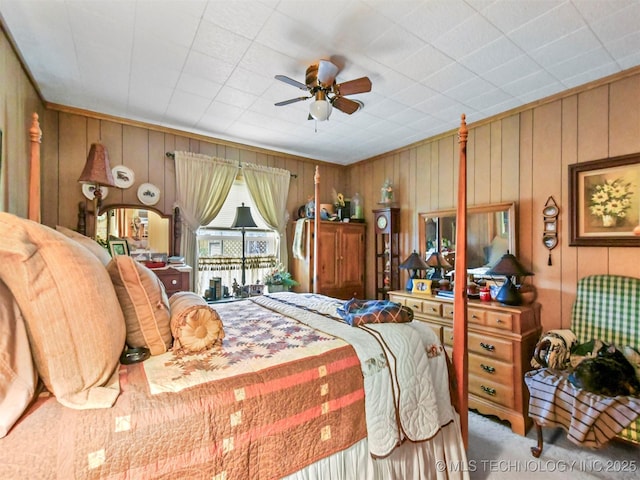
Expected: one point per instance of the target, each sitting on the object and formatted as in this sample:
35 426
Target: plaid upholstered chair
607 307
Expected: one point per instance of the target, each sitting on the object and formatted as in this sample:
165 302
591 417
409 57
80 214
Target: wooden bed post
460 356
316 227
34 170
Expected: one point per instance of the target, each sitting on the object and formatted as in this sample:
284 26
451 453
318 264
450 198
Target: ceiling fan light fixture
320 108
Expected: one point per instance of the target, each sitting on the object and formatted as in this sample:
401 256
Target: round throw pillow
194 324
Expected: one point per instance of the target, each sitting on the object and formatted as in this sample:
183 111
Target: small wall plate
148 194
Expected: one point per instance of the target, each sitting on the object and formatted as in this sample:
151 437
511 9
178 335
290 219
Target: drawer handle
487 368
174 282
487 346
474 316
499 320
415 306
488 390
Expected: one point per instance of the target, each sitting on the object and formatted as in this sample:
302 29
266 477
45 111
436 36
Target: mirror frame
509 207
174 234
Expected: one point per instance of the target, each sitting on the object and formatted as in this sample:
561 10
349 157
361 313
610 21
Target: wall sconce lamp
509 266
242 221
97 172
414 263
439 264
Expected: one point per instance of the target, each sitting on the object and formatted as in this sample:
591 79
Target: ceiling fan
321 85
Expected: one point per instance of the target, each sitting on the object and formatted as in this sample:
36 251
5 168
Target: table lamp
414 263
509 267
243 221
97 172
439 264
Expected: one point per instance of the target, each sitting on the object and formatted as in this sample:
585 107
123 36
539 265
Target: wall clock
550 218
386 220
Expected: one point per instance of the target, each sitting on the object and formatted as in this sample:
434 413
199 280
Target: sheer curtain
202 186
269 189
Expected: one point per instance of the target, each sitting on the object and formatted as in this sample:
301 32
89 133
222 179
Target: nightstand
174 278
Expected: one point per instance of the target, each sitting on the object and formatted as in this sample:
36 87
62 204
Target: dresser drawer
447 310
491 369
493 391
476 316
490 346
499 320
432 308
173 280
397 299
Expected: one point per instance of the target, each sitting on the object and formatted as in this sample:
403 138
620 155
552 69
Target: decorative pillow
144 303
359 312
195 325
633 356
72 316
88 243
18 379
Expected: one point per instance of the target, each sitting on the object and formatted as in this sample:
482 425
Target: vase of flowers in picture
278 279
610 201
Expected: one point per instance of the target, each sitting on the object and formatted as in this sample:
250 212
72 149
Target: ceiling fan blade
291 81
292 100
345 105
359 85
327 72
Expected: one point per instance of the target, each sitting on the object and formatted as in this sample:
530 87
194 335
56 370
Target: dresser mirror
491 232
147 230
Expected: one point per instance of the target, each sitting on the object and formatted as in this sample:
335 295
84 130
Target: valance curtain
269 189
202 186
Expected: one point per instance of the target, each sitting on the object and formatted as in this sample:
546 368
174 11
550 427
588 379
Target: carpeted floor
495 452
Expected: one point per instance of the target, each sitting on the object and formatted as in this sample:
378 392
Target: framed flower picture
604 202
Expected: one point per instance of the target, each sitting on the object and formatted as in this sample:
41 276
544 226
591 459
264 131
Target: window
220 246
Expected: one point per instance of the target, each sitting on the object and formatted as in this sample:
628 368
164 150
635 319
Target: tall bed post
316 228
34 170
460 356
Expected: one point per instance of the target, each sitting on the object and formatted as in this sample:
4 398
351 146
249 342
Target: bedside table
174 278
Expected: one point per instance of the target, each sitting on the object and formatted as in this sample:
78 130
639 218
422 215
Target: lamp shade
97 170
508 265
320 108
413 262
436 260
243 218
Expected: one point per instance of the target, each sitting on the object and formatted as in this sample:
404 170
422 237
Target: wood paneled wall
18 101
142 148
521 157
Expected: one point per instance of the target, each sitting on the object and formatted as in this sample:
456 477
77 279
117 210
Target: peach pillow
18 379
144 303
88 243
73 319
194 324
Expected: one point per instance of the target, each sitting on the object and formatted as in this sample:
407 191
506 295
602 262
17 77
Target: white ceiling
208 66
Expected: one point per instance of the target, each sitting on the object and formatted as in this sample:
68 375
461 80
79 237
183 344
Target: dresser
175 279
501 340
341 255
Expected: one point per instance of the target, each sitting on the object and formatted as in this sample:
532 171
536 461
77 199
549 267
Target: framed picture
422 286
604 202
118 247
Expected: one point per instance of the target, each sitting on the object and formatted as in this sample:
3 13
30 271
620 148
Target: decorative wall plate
123 176
148 194
88 191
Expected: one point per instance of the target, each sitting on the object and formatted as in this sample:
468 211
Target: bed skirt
442 457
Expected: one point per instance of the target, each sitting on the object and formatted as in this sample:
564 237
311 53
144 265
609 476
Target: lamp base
509 294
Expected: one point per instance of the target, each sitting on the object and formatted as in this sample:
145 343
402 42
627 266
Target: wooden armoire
341 255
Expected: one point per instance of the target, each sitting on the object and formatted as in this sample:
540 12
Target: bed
290 390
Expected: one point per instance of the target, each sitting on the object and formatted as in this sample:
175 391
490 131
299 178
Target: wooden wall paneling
546 178
182 144
434 178
624 116
593 124
500 171
448 183
135 154
50 165
563 253
111 136
403 191
157 173
471 167
169 171
73 151
483 167
293 200
421 180
593 143
194 145
510 160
